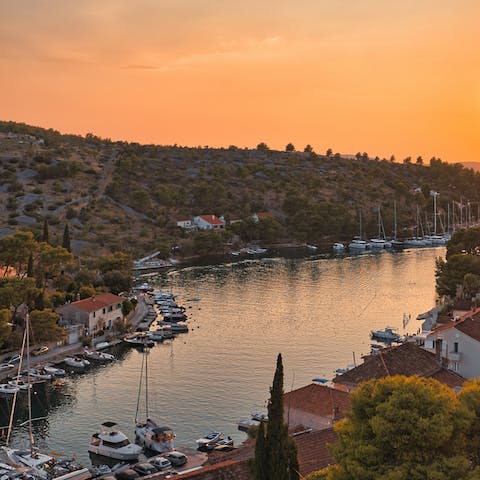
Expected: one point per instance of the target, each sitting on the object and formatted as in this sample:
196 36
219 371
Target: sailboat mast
395 219
360 214
146 381
29 390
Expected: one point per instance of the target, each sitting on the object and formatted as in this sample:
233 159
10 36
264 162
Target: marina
296 306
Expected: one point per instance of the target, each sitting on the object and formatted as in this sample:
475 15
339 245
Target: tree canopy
402 428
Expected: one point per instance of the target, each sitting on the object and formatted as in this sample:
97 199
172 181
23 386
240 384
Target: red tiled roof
407 359
264 214
212 219
97 302
470 326
318 399
449 378
313 451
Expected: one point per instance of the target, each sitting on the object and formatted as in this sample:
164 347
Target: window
110 308
455 347
103 310
93 314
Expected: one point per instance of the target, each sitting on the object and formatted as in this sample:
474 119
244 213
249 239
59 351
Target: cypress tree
276 456
45 235
66 238
30 266
260 454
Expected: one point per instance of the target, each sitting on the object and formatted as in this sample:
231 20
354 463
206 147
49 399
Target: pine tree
45 235
30 266
66 238
276 456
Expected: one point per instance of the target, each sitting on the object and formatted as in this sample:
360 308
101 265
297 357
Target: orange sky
381 76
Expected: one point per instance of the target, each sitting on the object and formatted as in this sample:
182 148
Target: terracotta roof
318 399
227 470
470 326
264 214
407 359
449 378
313 451
97 302
212 219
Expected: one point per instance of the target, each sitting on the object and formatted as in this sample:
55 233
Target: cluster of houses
212 222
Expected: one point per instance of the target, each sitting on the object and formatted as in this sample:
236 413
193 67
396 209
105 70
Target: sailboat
39 465
357 244
157 438
397 244
380 242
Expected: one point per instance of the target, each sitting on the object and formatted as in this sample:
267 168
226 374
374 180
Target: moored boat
388 334
76 362
113 444
210 439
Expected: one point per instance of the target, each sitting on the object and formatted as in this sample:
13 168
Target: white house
94 313
457 343
184 222
209 222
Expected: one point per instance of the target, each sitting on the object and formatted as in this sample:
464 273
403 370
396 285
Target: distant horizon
376 76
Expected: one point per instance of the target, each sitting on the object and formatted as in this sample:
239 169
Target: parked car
145 468
40 350
11 359
128 474
160 462
177 459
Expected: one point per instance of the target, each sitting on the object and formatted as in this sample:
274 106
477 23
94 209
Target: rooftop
319 400
470 326
97 302
406 359
212 219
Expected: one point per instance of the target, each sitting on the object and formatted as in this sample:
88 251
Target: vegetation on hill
460 272
42 276
118 196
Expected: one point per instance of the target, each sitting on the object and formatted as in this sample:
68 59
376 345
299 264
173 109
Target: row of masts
459 215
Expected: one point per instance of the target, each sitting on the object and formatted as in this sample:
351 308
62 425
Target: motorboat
255 250
314 248
377 243
102 345
155 438
156 336
338 247
57 372
165 331
174 317
222 445
260 416
20 384
388 334
99 356
76 362
209 440
113 444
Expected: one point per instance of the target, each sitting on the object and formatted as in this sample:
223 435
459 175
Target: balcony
455 356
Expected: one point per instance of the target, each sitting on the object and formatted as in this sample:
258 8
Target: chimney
438 350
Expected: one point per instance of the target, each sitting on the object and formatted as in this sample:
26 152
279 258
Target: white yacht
113 444
388 334
210 439
155 438
99 356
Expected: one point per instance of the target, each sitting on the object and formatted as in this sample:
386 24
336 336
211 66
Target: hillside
119 196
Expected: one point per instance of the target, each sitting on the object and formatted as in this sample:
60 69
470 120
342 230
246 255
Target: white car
161 463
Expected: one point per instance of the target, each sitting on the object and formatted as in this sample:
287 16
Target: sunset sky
383 76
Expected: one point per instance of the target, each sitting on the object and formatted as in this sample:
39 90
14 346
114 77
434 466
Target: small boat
246 424
320 380
99 356
57 372
388 334
180 327
139 340
260 416
113 444
174 317
156 336
255 250
76 362
20 384
7 389
312 247
209 439
338 247
221 444
102 345
37 374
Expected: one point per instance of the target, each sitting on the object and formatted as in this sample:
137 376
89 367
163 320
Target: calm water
316 312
